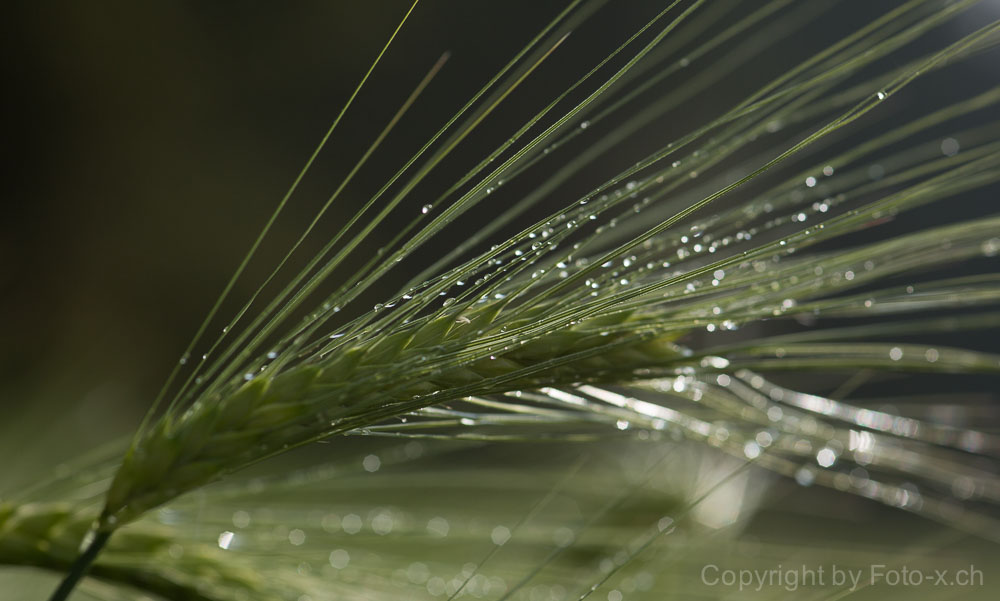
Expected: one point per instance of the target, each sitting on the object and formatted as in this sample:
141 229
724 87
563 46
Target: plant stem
80 566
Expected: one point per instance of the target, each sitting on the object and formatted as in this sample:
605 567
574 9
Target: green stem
80 566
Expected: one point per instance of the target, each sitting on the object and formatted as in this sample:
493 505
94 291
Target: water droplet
500 535
339 559
225 539
438 526
371 463
764 438
826 457
805 476
715 361
351 523
241 519
949 147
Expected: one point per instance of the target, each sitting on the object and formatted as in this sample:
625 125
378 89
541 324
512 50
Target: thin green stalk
81 566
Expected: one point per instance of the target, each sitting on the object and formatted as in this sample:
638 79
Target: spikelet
356 387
